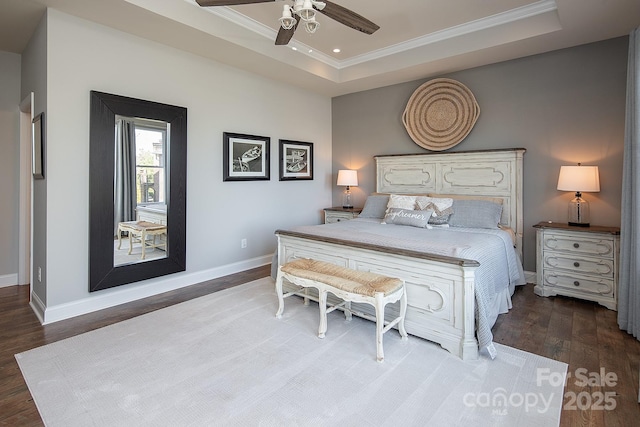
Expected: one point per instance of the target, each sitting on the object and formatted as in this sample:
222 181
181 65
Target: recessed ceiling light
310 50
294 48
336 50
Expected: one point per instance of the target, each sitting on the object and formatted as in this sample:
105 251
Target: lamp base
346 199
579 211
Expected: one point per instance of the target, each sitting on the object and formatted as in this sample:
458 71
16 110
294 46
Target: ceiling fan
305 10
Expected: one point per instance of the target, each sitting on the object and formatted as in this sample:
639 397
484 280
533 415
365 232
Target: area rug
224 359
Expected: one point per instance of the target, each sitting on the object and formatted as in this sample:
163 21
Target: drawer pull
338 220
576 283
576 264
576 245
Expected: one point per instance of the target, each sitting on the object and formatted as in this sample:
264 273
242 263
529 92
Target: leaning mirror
138 152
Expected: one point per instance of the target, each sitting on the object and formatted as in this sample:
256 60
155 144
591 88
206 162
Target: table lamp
348 178
579 179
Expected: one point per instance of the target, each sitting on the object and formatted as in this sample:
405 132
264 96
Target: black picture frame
37 150
245 157
296 160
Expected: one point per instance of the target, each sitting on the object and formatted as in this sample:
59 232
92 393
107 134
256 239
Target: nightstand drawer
602 248
337 217
602 268
577 283
337 214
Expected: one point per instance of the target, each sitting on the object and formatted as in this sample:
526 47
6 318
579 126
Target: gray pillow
475 214
374 207
409 217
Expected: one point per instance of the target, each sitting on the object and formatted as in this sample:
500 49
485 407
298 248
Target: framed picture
37 150
296 160
246 157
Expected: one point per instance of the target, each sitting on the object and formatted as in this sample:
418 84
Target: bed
458 278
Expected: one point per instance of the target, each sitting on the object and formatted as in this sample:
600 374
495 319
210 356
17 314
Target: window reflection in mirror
140 189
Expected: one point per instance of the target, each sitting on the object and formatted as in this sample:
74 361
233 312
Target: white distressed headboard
487 173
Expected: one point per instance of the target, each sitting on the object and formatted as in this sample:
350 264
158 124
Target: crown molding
500 19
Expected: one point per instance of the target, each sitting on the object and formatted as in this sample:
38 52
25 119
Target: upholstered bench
350 286
138 233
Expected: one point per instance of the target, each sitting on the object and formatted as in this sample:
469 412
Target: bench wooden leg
379 305
119 237
279 293
403 313
305 299
322 302
347 310
144 243
130 243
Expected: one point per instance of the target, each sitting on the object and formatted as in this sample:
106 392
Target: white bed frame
440 290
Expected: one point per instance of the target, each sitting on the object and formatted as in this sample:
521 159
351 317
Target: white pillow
441 203
401 202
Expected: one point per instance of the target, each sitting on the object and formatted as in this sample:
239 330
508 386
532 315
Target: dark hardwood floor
586 336
582 334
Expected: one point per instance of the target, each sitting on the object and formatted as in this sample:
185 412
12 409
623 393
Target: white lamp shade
348 177
579 178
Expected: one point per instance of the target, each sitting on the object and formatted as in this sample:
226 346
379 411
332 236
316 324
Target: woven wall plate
440 114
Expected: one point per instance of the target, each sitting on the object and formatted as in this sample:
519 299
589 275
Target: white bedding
499 272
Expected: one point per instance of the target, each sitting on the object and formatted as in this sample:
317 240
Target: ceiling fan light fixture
296 12
311 25
319 5
287 21
306 12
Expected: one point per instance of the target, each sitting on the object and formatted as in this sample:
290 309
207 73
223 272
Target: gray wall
564 107
34 79
219 98
9 165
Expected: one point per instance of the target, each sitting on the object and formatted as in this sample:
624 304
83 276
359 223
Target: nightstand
580 262
337 214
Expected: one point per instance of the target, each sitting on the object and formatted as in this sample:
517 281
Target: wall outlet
243 243
39 274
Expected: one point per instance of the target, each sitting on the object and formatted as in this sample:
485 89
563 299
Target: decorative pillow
374 207
475 214
442 208
407 217
401 202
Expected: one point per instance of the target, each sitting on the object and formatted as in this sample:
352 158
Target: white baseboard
8 280
123 294
37 306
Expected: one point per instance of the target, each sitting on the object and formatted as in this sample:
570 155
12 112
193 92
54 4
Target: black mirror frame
102 272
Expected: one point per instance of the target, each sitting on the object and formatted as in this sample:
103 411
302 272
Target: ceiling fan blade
348 18
284 36
206 3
